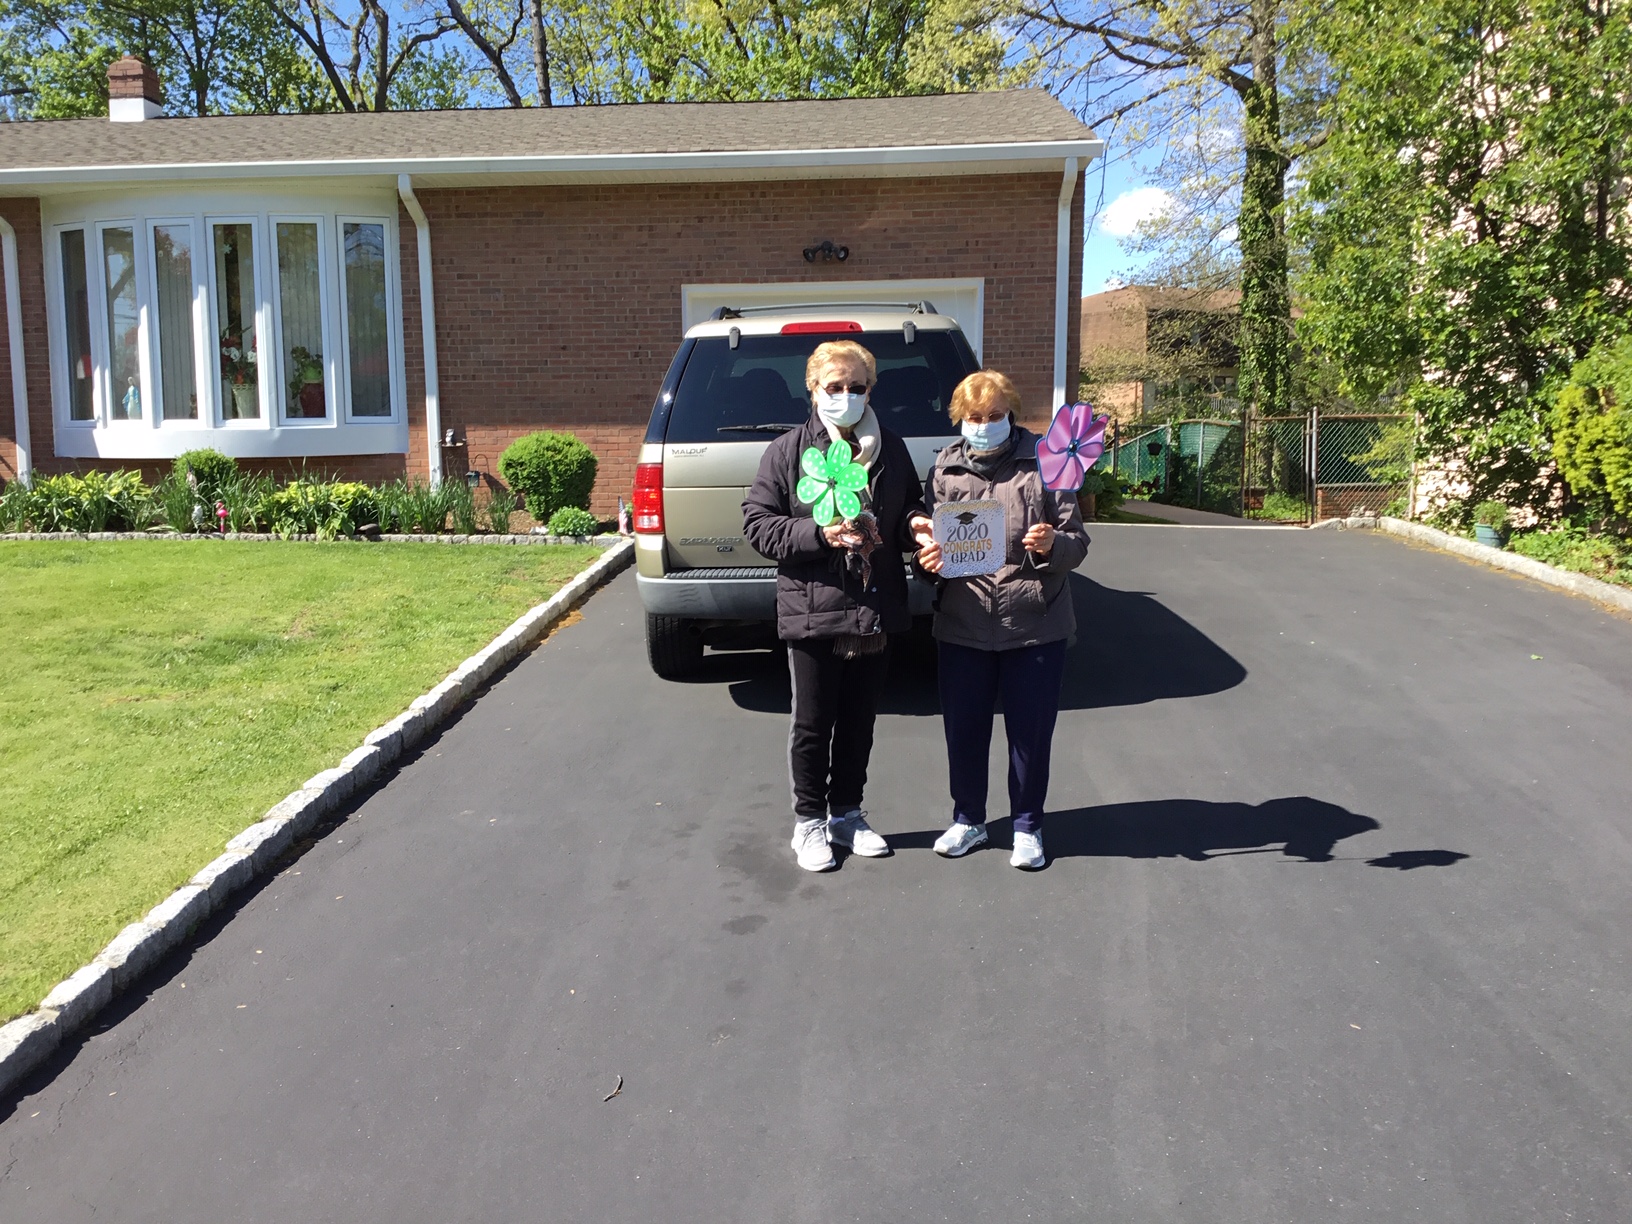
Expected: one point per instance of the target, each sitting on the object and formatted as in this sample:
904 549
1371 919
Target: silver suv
737 382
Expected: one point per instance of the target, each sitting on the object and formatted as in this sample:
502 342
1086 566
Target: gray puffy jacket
1028 601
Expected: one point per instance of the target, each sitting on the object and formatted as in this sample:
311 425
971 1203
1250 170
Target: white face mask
987 436
841 411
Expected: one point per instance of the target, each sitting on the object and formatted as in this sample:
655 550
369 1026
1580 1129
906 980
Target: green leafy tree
1467 221
1226 92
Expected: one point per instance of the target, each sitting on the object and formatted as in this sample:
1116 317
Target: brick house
380 295
1153 346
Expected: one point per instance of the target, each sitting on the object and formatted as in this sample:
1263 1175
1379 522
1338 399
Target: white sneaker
857 836
1028 851
810 844
960 839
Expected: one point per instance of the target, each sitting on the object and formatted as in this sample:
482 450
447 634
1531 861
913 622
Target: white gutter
14 330
596 163
427 323
1063 394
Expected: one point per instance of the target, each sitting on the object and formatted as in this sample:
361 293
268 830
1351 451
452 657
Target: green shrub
1109 488
1282 507
461 506
96 501
573 521
213 471
320 508
1592 432
549 470
14 504
501 506
1490 514
423 507
1572 548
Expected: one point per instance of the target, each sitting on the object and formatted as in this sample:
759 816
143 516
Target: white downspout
19 375
427 322
1063 394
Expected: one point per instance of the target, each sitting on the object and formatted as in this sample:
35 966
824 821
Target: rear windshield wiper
774 428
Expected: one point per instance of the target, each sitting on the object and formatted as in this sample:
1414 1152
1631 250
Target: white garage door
963 298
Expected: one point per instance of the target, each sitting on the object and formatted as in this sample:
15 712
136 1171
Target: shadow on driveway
1298 827
1130 650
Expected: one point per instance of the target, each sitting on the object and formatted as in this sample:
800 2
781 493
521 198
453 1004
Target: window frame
56 293
204 357
220 419
331 383
393 316
144 372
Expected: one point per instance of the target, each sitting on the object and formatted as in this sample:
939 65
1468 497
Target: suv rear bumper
749 595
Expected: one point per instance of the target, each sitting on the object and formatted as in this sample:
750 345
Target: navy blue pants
1028 679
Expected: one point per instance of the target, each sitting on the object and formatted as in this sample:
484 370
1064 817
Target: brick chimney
133 92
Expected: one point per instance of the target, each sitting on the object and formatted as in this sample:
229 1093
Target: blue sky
1118 197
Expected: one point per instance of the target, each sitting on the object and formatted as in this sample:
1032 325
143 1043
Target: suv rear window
762 382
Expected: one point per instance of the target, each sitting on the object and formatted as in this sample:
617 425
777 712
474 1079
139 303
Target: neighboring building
1150 347
352 291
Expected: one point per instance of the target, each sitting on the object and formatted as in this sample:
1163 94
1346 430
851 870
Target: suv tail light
648 505
806 329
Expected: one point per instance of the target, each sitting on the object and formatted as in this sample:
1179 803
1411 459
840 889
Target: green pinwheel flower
830 483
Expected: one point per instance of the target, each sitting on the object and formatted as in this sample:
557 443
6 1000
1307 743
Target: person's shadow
1297 827
1130 649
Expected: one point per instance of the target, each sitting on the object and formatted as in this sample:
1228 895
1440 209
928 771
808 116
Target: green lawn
159 697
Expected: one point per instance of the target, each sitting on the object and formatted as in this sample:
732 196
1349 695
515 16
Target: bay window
213 323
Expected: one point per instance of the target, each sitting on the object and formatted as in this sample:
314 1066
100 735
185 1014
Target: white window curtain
173 280
300 320
235 320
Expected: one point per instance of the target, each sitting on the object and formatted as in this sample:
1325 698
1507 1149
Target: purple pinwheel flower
1072 445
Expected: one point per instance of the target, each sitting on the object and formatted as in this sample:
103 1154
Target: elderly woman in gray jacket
1003 633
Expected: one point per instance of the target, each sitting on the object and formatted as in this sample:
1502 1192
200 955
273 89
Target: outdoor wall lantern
473 479
827 251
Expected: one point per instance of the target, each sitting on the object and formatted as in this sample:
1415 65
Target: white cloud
1123 214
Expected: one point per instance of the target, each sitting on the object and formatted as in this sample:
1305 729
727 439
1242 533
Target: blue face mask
987 437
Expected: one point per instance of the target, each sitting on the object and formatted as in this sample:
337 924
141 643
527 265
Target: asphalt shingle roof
949 120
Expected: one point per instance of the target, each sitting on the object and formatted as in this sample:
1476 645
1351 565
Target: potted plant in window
306 381
238 371
1490 523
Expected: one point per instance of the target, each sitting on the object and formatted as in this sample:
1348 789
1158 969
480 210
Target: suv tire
674 646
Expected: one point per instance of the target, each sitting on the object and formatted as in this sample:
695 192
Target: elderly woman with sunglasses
840 588
1002 634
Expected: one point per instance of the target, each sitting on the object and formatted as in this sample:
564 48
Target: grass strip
158 698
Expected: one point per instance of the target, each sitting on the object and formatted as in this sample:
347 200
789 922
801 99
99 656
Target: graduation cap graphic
967 517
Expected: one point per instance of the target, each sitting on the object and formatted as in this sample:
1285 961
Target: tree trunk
1266 310
541 52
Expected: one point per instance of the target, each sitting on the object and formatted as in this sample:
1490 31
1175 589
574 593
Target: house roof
1010 126
1158 297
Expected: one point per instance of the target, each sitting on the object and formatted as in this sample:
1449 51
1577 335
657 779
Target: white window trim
393 315
203 355
272 435
56 309
99 330
258 258
331 388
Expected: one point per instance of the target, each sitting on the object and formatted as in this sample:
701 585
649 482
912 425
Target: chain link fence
1362 465
1185 463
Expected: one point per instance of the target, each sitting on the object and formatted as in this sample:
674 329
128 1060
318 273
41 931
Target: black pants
834 704
1029 679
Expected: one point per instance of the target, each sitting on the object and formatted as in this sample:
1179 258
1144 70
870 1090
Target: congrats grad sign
972 536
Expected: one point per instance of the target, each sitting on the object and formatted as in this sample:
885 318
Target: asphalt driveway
1337 927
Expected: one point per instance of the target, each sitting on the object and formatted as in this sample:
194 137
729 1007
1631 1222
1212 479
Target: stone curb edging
603 541
1577 584
28 1041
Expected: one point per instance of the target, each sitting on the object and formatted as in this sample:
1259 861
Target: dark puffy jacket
1028 601
817 594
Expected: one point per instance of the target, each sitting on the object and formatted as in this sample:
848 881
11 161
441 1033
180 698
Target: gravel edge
1605 593
29 1040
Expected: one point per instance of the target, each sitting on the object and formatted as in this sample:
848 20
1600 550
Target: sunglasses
841 388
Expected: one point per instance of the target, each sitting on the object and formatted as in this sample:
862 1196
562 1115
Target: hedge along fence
206 491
